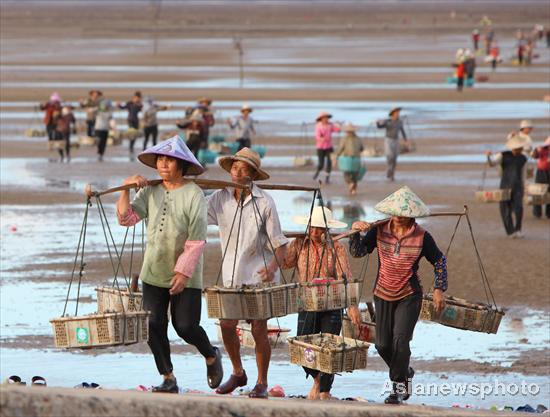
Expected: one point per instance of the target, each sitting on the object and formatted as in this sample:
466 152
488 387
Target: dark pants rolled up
395 322
244 143
513 206
102 136
90 128
323 154
150 132
185 311
320 322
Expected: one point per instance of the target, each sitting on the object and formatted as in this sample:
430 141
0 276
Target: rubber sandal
38 381
82 385
93 385
16 380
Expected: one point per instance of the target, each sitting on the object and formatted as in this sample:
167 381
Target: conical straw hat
403 203
174 147
318 219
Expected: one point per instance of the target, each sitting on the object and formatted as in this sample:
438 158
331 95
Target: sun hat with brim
392 111
348 127
318 220
174 147
204 100
55 97
516 141
246 107
245 155
324 114
525 124
403 203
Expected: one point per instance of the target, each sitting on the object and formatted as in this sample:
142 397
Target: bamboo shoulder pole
203 183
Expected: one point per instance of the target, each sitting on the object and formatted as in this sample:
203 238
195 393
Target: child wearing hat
175 212
513 165
317 257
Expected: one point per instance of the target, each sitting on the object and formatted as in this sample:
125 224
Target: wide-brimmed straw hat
318 219
349 128
174 147
55 97
392 111
245 155
403 203
204 100
525 124
246 107
516 141
323 114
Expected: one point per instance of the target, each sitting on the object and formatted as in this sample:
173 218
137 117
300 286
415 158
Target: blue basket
233 147
206 156
468 82
349 163
260 149
217 139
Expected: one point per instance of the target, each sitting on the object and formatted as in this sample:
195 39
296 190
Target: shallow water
251 83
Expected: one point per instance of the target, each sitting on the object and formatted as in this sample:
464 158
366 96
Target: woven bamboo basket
461 314
536 189
100 330
328 353
366 331
493 196
252 303
276 336
328 295
110 299
537 199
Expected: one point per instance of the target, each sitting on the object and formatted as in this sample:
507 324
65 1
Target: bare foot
315 390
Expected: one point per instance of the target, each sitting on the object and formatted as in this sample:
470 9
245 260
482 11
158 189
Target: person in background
542 176
323 143
394 126
90 104
489 38
204 109
133 107
525 129
460 73
193 132
52 110
401 242
469 67
64 126
494 54
316 256
475 39
172 269
102 124
512 163
351 146
243 126
150 122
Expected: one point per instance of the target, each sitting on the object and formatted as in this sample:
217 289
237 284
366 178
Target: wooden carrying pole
376 223
205 184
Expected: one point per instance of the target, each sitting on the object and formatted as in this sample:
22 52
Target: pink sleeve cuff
188 260
129 218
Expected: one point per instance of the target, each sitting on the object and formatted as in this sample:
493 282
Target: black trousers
90 128
320 322
459 83
150 131
512 206
66 138
244 143
395 322
185 310
542 177
102 136
323 154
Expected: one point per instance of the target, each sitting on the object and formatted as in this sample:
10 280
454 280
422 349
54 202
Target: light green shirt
173 217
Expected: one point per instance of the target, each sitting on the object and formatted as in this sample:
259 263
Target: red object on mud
13 229
482 78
